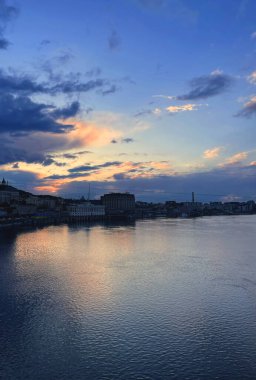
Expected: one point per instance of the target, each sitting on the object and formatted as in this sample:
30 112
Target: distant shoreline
19 223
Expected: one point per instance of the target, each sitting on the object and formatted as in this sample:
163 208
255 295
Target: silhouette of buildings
119 203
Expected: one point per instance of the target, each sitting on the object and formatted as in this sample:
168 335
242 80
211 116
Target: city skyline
153 97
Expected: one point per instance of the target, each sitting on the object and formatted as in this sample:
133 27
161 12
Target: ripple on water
164 299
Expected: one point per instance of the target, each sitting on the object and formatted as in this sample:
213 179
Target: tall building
118 203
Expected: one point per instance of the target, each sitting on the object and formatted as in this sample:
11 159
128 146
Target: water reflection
160 299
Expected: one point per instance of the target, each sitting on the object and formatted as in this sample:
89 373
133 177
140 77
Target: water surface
160 299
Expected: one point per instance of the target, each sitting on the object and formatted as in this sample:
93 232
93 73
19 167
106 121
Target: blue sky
156 97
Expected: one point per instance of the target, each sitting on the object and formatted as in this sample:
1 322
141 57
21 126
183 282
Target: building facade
85 210
118 201
119 204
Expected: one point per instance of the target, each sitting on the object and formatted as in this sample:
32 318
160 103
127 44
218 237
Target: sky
153 97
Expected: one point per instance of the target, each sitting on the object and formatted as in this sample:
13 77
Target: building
25 209
119 203
85 210
8 193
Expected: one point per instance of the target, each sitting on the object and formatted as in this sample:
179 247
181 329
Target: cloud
35 146
88 110
21 114
252 78
253 36
86 168
143 113
72 156
128 140
236 159
147 185
50 161
66 176
45 42
206 86
114 40
249 108
212 153
67 112
111 90
69 86
83 170
164 97
4 43
7 13
10 153
185 107
208 186
125 140
16 83
95 71
21 179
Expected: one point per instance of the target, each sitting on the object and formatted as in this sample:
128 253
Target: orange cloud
186 107
212 153
235 159
88 134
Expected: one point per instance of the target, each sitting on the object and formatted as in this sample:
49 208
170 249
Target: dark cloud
69 87
208 186
110 90
45 42
21 114
213 185
66 112
64 57
4 43
96 71
15 166
143 113
206 86
128 140
114 40
16 83
21 179
50 161
86 168
64 176
88 110
71 156
249 109
10 153
119 176
7 13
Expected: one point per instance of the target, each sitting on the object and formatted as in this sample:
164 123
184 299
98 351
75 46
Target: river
157 299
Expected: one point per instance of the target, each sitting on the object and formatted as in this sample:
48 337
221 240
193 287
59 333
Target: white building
85 210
